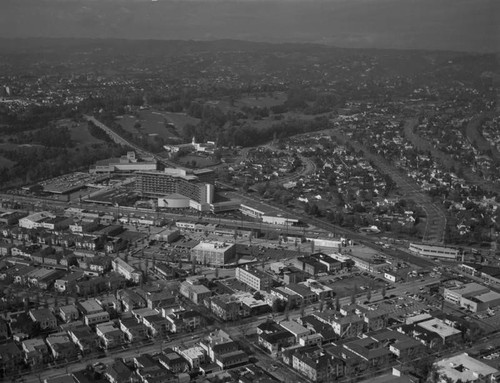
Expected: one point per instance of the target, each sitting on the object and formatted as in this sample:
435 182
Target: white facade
434 251
34 221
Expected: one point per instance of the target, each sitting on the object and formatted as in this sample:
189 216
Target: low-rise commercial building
466 369
213 253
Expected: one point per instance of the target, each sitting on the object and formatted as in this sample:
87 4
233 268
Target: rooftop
464 367
439 327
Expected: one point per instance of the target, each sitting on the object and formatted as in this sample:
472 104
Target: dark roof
276 336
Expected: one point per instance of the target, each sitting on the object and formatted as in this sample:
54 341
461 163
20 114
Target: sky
460 25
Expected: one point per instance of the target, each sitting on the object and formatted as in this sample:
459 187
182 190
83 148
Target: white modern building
434 251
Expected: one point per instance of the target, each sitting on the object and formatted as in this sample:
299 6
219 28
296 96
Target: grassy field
201 162
154 122
79 132
6 163
277 98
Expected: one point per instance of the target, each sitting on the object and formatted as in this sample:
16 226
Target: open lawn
79 132
278 98
6 163
201 161
164 124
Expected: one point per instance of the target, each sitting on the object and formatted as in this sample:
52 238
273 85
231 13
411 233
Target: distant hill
461 25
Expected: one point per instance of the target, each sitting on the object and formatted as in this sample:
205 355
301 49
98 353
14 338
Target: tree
193 266
369 295
383 291
276 306
337 303
321 305
353 298
286 312
302 308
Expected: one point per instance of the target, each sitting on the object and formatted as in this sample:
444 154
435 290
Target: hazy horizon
459 25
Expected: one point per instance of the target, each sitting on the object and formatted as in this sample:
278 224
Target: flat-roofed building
127 270
445 332
170 181
36 351
84 338
133 329
61 347
110 336
466 369
481 302
194 291
195 355
90 306
472 296
213 253
296 329
434 251
254 278
68 313
35 220
93 319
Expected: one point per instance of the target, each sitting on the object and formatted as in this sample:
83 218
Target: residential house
90 306
11 357
402 346
134 331
222 350
296 329
61 347
226 307
372 352
68 313
195 355
68 282
344 326
44 317
306 296
273 337
158 327
173 361
110 336
150 370
118 372
317 365
160 299
36 352
96 318
130 300
84 338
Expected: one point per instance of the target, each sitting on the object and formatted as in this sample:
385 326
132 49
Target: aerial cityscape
228 210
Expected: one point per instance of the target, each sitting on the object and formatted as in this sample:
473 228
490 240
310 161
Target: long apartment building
174 181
